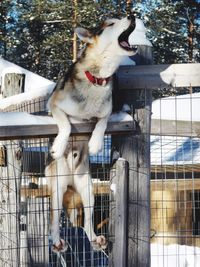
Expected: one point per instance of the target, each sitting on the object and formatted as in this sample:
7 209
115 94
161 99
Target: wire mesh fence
26 209
175 158
26 200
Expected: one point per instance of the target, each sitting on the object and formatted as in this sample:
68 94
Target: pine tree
47 42
173 27
39 34
7 27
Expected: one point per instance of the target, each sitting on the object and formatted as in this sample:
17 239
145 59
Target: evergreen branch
55 21
166 30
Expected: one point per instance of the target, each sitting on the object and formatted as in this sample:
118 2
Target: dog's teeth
134 47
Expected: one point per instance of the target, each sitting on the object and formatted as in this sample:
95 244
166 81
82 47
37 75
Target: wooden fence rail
158 127
48 130
159 76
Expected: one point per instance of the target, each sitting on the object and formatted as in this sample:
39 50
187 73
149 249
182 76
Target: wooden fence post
13 84
118 214
10 177
136 150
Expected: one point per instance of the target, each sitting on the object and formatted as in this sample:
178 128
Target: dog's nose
131 17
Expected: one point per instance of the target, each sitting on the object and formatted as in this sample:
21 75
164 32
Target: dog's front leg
85 189
64 129
97 138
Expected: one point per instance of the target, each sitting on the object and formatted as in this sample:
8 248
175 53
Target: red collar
97 81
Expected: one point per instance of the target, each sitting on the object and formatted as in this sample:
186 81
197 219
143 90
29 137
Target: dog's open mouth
123 38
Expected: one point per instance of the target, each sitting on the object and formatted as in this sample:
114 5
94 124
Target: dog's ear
84 35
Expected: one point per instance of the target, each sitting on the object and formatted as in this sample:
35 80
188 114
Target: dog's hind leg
97 138
85 189
64 129
58 187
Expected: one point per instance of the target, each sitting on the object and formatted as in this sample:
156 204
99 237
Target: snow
32 81
25 97
24 118
170 150
138 36
120 116
174 255
35 85
183 107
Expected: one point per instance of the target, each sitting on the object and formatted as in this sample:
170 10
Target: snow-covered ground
174 256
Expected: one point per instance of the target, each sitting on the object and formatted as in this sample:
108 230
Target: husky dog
72 170
83 93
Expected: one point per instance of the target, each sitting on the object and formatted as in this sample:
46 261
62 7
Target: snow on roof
32 81
169 150
35 85
183 107
173 150
25 97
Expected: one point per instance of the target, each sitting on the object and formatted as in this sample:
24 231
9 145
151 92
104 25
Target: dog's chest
96 102
90 102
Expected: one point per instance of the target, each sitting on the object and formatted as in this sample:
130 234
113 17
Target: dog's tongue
124 44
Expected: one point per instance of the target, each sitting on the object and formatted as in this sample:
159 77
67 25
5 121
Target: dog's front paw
58 149
95 146
99 243
59 246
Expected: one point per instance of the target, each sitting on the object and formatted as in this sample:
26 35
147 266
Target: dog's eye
100 32
111 24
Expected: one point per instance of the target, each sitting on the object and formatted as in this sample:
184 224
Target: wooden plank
175 185
175 128
28 131
118 218
3 156
177 168
159 76
99 188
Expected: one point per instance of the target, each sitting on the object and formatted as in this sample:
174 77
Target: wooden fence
132 213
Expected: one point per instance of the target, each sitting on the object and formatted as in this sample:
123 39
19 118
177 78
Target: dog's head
115 35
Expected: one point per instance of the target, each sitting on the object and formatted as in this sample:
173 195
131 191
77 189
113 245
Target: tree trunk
190 37
74 26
